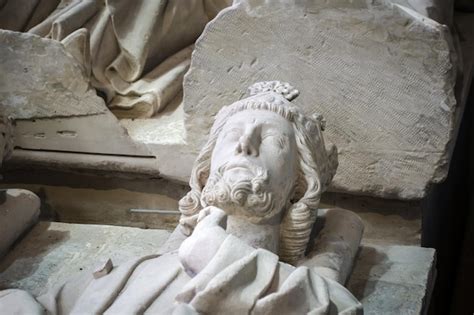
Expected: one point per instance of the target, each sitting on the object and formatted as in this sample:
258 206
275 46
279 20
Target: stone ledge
53 251
386 279
393 279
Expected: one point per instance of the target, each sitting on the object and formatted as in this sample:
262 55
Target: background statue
136 52
255 194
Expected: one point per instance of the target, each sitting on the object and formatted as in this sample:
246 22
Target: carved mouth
244 165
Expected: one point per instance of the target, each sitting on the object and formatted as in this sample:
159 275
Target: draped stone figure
250 216
136 52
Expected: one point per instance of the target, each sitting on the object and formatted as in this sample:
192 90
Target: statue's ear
328 162
319 119
299 189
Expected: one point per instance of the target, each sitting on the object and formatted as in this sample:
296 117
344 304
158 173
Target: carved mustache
249 193
243 164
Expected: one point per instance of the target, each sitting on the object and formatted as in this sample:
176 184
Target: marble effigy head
264 160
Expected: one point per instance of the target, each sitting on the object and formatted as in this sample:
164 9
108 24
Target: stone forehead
268 101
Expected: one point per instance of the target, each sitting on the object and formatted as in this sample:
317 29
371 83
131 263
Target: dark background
448 226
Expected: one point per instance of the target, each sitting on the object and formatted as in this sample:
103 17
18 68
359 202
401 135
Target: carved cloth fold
136 52
238 280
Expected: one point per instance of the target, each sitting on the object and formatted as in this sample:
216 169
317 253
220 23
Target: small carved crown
283 88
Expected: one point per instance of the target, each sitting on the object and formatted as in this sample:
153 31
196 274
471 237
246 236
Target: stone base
386 279
393 279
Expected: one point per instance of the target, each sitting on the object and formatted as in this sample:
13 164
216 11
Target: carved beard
245 195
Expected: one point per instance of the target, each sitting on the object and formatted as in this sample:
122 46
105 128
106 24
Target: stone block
87 133
19 210
381 74
47 91
40 79
393 279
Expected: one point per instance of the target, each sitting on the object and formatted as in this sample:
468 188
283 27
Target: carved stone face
253 165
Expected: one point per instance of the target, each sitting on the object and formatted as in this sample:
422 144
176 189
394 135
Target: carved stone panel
382 75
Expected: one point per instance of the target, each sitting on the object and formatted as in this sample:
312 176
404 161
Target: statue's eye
280 141
283 142
232 134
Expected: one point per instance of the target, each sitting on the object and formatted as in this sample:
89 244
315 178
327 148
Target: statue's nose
248 144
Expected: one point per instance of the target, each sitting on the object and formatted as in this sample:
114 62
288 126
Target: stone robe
238 280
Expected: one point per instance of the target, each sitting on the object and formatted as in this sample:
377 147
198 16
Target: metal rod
156 211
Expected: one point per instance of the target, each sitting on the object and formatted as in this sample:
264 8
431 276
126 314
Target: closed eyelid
235 129
274 133
282 140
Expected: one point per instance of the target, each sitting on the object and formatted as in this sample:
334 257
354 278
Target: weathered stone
86 134
381 74
387 279
386 221
393 279
53 251
79 205
44 81
439 10
40 79
6 137
19 209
